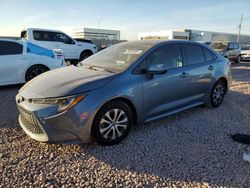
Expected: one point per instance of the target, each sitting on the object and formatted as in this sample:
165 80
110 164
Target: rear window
193 54
10 48
209 56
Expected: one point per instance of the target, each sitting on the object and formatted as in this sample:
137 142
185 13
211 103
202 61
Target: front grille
30 122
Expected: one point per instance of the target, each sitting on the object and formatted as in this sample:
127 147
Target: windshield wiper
97 68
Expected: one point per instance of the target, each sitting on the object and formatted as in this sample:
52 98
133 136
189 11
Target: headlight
64 103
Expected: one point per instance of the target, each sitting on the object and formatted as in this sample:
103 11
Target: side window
42 35
169 55
60 37
10 48
209 56
193 54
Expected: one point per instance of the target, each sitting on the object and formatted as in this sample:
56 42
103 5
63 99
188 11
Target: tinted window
52 36
42 35
60 37
10 48
169 55
193 54
209 56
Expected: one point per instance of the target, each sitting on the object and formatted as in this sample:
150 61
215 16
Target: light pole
99 36
241 18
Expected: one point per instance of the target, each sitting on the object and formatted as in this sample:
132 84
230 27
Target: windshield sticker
132 52
118 62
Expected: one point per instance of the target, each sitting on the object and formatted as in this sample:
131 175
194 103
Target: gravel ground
189 149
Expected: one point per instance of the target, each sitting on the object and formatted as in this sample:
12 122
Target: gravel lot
189 149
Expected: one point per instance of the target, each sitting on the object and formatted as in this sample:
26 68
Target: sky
129 16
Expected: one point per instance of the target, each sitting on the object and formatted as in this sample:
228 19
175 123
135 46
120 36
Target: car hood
245 51
65 81
220 50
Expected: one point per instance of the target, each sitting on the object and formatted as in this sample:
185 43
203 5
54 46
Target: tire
84 55
237 59
105 129
34 71
217 94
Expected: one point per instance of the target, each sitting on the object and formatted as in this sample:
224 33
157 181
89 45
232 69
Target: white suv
73 50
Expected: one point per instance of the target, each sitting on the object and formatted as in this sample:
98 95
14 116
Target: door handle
211 67
183 75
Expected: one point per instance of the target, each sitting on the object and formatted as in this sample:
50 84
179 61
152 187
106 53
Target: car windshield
219 46
116 58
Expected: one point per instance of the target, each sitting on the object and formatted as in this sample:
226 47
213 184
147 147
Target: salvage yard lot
191 148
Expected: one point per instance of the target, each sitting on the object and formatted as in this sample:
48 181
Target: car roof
12 40
157 42
40 29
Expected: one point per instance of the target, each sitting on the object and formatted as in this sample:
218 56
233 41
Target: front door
164 92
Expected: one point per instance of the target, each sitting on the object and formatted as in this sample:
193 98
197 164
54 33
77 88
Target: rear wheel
217 94
112 123
85 55
34 71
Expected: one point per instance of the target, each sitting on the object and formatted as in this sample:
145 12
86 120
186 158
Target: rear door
11 56
198 71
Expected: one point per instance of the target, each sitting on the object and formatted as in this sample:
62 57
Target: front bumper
42 123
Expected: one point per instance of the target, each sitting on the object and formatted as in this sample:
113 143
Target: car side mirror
156 69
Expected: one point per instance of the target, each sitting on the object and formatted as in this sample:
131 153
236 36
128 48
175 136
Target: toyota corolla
127 84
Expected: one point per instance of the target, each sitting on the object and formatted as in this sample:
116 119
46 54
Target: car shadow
190 146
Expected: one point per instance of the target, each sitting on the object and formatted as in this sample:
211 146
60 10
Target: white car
21 61
245 53
74 50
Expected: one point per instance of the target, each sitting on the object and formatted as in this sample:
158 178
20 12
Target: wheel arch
224 80
34 65
126 101
86 51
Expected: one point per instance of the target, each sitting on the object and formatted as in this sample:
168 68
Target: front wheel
217 94
112 123
237 59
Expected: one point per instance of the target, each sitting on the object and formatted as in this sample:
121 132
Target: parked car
230 50
74 50
22 61
245 53
120 86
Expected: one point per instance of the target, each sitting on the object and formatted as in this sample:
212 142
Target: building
100 37
91 33
194 35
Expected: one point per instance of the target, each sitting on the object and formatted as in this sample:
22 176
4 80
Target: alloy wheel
113 124
35 72
218 94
